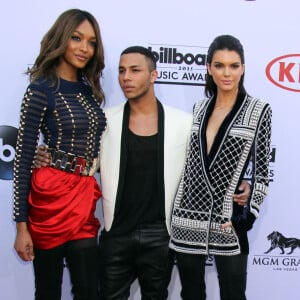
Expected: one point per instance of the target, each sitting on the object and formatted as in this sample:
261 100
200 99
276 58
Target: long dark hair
222 42
54 44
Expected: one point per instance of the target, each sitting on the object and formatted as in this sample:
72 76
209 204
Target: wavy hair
54 45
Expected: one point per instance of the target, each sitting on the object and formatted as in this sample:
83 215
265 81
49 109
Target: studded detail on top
68 118
204 198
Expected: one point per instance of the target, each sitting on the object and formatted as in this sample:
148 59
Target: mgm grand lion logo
278 240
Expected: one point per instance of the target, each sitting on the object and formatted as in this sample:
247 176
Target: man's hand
42 158
242 197
23 242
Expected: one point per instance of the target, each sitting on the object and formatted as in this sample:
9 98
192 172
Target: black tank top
140 204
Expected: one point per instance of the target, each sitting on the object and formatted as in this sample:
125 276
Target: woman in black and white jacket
231 132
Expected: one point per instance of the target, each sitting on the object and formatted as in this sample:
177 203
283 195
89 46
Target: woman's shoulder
258 103
202 101
40 85
258 100
200 104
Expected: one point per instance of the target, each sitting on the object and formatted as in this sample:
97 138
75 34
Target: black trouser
143 254
81 257
232 274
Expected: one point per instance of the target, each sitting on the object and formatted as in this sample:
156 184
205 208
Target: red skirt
62 207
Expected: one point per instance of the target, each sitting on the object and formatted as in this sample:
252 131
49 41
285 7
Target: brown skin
137 82
23 242
80 50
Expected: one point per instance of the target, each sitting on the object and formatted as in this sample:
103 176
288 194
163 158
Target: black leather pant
81 257
232 275
142 254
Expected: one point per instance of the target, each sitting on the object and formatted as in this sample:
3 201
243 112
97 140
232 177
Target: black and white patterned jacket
204 198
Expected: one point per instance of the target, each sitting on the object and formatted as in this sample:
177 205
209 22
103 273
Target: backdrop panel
269 33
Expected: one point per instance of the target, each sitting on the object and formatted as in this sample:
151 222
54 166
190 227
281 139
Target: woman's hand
225 225
23 243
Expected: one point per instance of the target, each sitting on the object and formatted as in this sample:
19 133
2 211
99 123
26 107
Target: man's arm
242 197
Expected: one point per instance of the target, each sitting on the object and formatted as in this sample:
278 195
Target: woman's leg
82 260
48 270
191 269
232 274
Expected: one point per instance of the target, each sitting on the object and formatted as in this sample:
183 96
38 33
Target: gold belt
71 163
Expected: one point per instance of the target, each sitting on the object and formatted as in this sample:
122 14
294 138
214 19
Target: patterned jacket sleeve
261 158
259 162
33 108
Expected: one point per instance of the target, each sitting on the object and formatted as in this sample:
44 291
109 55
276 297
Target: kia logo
284 72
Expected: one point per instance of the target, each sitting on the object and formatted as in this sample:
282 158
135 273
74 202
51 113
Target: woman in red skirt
54 206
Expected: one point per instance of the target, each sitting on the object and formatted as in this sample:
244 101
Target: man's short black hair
142 50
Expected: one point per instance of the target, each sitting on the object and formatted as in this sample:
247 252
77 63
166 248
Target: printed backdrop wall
179 33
